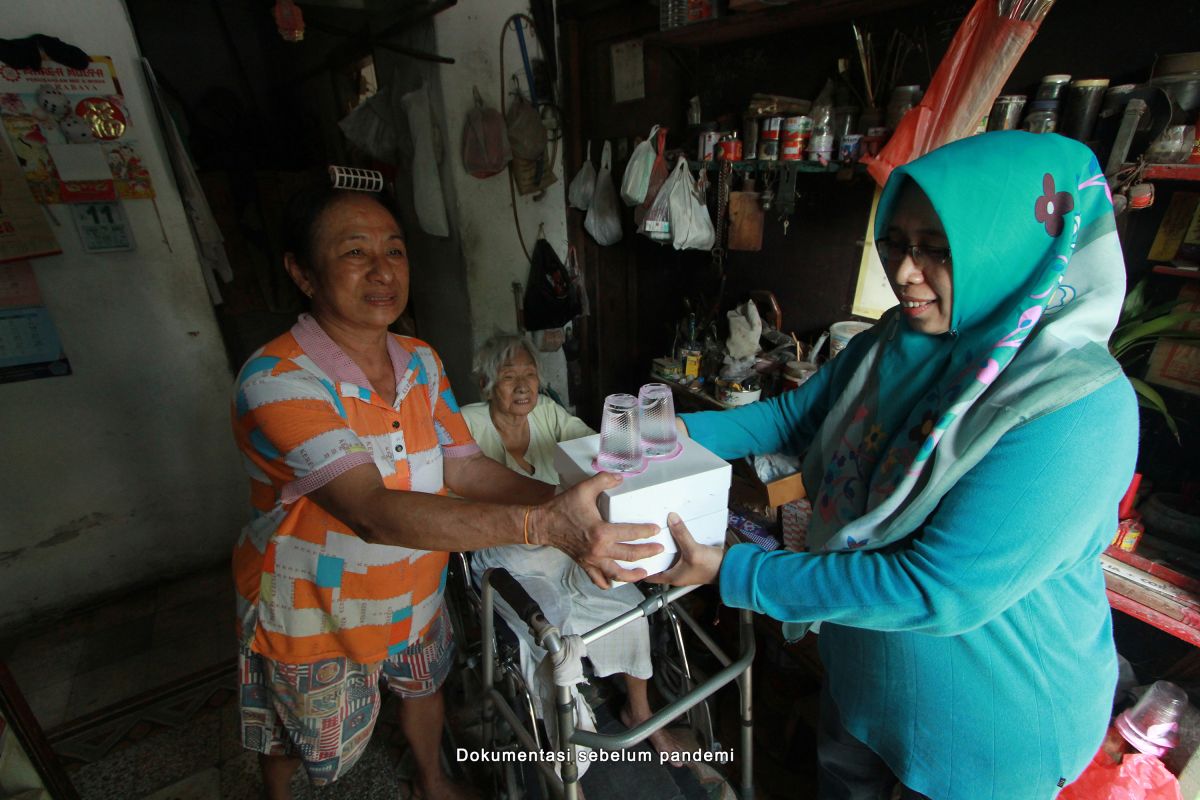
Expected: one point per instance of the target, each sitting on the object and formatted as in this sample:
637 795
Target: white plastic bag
583 185
691 227
637 172
603 219
657 224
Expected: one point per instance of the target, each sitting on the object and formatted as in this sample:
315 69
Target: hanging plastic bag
691 226
636 180
485 150
658 176
548 300
603 219
658 224
371 127
583 185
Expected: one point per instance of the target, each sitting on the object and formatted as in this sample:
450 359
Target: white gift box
694 484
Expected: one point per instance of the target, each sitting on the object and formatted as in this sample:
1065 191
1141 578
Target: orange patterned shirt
303 413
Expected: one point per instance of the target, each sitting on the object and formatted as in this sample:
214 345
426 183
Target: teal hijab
1038 282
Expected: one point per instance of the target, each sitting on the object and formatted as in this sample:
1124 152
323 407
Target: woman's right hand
697 563
572 523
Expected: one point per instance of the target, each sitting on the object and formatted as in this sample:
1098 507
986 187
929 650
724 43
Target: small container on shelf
1081 108
732 393
1052 87
794 137
729 148
902 99
769 130
1042 117
1006 112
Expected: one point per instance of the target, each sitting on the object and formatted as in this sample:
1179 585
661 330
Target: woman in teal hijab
964 459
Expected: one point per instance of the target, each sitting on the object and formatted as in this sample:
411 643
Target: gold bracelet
528 511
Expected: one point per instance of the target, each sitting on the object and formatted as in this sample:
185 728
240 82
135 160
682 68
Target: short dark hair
302 216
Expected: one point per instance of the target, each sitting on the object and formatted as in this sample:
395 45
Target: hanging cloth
428 199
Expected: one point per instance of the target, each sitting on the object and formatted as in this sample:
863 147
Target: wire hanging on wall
549 112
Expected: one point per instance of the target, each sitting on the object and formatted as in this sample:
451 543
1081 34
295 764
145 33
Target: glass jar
902 100
1042 117
1051 87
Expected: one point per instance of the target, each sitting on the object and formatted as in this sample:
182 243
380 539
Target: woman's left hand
698 563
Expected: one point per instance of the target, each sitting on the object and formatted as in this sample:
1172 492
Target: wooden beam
752 25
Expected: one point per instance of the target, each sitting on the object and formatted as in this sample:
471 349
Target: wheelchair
508 719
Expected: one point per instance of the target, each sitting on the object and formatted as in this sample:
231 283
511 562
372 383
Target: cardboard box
695 485
748 488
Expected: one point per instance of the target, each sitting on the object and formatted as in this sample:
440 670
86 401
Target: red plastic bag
981 57
658 174
1137 777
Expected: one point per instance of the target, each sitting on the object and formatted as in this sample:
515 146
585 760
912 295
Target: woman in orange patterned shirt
351 437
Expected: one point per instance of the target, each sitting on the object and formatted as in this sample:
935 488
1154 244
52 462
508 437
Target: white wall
124 472
470 33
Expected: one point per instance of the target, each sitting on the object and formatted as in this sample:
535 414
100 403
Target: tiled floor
138 698
96 658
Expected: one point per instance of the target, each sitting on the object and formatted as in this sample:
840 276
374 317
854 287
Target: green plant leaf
1162 327
1135 302
1145 315
1150 398
1181 337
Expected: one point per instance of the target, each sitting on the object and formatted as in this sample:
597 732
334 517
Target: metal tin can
820 147
768 138
730 147
749 138
1006 112
708 145
1129 533
793 137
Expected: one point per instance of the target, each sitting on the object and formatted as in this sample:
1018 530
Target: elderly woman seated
519 427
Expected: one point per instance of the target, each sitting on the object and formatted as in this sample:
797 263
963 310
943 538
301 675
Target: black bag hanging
548 290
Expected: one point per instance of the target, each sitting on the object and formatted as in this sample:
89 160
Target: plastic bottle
672 14
820 146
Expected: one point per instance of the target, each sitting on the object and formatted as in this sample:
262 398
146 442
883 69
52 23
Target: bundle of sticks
879 74
1028 10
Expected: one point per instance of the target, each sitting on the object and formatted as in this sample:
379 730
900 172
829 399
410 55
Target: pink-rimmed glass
656 416
620 437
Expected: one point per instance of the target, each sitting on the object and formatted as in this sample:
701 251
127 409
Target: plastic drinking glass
656 413
620 438
1152 726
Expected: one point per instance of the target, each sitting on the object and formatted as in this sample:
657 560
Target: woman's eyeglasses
892 253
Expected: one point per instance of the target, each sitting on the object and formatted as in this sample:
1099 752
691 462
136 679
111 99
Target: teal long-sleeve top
975 657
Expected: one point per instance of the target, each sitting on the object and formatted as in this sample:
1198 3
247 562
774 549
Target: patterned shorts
324 712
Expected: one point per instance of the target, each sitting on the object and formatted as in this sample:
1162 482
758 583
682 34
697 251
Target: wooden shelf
1163 269
1153 591
740 26
698 396
1172 172
754 165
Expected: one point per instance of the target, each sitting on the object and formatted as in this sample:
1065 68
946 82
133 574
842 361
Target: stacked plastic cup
656 417
620 436
1152 726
